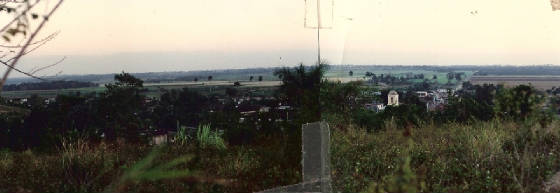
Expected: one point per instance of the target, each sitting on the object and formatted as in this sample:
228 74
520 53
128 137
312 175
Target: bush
209 139
182 137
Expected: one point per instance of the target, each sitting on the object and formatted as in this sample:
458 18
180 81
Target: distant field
359 73
539 82
153 89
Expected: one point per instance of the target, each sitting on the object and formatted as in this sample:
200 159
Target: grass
490 156
207 138
80 166
493 156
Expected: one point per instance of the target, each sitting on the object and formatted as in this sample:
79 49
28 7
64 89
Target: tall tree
120 105
301 87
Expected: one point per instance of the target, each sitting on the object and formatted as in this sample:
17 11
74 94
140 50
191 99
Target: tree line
49 85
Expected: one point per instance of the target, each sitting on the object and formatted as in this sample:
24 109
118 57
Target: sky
109 36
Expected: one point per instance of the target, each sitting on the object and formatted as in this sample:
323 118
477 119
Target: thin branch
36 47
20 71
48 66
23 49
48 38
51 76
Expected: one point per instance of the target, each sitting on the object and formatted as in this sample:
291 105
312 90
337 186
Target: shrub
208 138
182 137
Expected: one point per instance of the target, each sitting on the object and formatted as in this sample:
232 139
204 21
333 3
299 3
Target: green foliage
340 97
185 105
492 156
119 106
403 181
301 88
182 137
464 109
207 138
517 103
406 115
81 166
144 170
370 120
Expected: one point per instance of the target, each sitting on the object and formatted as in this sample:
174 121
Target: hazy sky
104 36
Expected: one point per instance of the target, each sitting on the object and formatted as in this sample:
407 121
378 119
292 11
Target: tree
185 106
210 78
231 92
450 77
485 93
260 78
458 77
350 73
465 108
251 78
120 105
301 87
196 79
517 103
434 77
340 97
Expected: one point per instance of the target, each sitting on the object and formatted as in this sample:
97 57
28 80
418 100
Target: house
264 109
377 107
393 98
159 137
421 94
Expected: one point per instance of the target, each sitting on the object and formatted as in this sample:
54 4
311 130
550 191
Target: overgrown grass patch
494 156
80 166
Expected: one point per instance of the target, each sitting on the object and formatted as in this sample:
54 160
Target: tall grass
208 138
182 137
493 156
82 166
146 170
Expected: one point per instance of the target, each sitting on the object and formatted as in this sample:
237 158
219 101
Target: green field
360 72
264 88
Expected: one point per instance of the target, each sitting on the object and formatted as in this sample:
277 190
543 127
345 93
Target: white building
422 94
377 107
393 98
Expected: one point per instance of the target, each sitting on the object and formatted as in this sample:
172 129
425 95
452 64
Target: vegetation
103 139
54 85
207 138
492 156
301 87
82 166
485 138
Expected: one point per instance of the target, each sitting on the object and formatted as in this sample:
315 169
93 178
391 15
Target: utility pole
318 32
319 25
